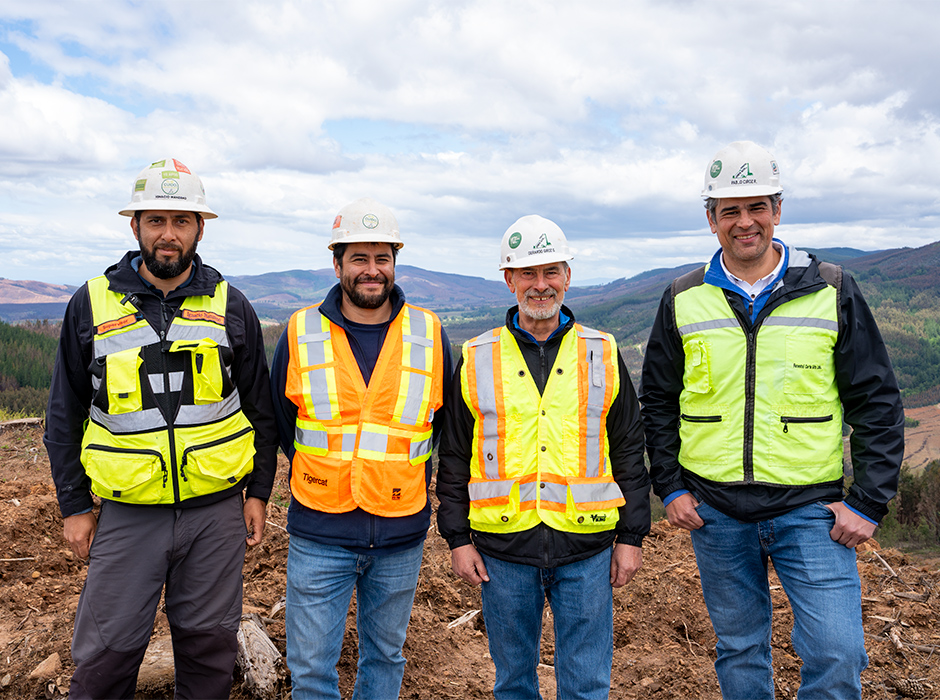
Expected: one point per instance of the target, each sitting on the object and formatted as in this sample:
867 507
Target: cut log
259 660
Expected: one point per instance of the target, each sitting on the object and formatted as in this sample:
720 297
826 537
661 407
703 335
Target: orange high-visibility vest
541 458
357 445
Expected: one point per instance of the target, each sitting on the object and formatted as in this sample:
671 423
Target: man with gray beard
542 488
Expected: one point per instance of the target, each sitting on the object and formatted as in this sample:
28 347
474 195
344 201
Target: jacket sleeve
872 405
69 402
453 473
661 384
250 374
625 439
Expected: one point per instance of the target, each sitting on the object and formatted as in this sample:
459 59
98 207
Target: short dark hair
340 248
711 204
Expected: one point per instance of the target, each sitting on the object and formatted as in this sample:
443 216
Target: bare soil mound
663 641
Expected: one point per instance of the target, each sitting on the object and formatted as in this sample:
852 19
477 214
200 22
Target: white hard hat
742 169
169 185
365 221
533 240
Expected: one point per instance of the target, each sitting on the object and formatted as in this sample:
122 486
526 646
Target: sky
462 116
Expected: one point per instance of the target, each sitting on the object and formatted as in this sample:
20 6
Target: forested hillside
26 367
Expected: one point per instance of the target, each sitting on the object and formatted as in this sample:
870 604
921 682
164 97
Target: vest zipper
786 420
164 353
700 419
750 382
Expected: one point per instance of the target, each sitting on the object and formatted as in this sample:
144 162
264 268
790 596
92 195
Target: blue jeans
820 578
320 582
581 600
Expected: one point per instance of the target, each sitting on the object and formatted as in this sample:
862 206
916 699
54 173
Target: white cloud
600 114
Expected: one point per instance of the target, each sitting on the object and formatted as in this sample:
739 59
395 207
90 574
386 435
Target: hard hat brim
159 205
367 238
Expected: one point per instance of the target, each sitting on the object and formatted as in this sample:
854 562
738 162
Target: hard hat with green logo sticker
168 185
742 169
533 240
365 221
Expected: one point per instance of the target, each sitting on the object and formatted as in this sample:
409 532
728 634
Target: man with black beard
160 405
358 384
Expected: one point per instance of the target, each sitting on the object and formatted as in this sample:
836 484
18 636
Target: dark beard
363 301
167 271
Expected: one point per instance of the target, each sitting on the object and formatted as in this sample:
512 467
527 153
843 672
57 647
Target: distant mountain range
902 287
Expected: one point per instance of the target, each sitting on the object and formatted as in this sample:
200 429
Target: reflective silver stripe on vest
157 384
137 338
419 339
135 422
483 490
556 493
315 346
312 438
592 493
314 343
209 412
180 331
528 491
708 325
416 384
800 321
349 442
597 390
420 449
486 400
376 442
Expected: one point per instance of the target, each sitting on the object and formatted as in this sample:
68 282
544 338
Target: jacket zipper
164 353
699 419
786 420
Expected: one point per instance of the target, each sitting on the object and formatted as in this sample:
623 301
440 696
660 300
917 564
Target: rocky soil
663 641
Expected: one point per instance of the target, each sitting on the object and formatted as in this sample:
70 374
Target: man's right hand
681 512
468 564
80 532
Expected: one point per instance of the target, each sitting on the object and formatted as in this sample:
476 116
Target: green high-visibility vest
760 406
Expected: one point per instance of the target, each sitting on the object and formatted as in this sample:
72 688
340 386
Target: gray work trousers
196 555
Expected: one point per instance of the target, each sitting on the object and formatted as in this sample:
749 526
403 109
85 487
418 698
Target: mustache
369 278
547 293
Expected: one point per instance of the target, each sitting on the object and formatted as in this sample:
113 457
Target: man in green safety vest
160 405
754 362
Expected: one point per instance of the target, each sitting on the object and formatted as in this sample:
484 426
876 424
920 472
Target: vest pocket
493 503
704 431
804 449
122 377
592 502
227 459
125 474
206 368
697 374
809 365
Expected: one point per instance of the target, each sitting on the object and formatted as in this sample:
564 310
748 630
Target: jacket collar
522 336
123 279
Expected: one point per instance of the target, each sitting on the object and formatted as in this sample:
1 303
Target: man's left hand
625 561
850 529
254 520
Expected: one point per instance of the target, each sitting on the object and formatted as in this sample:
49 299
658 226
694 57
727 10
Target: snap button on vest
580 518
559 371
489 456
505 518
521 372
544 448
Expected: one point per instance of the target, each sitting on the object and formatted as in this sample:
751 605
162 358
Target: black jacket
543 546
867 387
71 392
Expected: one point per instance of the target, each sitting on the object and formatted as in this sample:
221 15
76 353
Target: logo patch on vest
396 494
598 518
310 479
803 365
203 316
117 323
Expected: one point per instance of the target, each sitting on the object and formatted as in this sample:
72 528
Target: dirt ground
663 641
